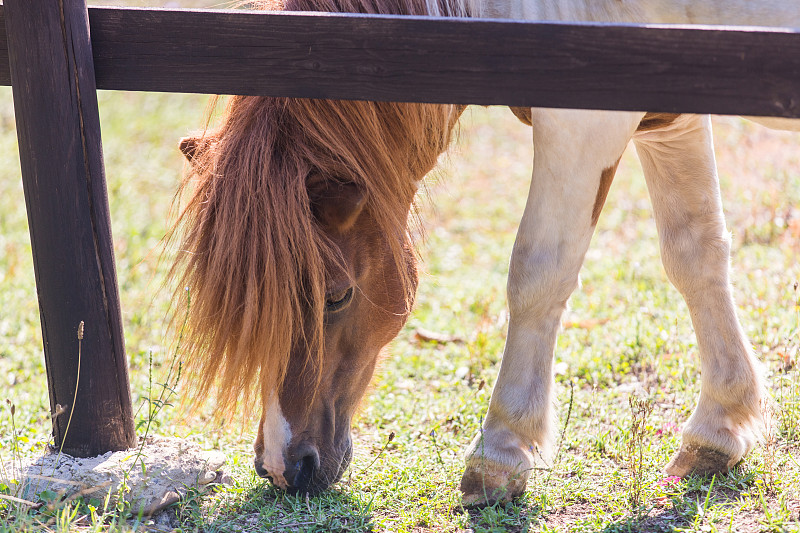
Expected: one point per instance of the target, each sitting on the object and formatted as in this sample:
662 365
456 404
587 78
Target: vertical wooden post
58 128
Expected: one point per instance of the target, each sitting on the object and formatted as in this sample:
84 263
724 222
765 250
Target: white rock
155 475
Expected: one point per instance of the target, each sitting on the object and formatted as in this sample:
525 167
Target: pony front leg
679 166
576 154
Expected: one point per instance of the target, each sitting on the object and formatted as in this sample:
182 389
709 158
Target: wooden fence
55 69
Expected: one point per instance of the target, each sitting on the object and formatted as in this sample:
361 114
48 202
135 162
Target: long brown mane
251 265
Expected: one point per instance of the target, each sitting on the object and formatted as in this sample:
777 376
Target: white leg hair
680 170
573 150
777 123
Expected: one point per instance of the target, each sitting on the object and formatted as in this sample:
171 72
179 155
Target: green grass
627 335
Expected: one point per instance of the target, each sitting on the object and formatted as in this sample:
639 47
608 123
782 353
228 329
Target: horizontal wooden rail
594 66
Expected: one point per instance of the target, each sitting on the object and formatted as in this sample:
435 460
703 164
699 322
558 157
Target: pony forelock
251 267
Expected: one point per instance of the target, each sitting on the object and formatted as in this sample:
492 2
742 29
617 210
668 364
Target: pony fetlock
722 430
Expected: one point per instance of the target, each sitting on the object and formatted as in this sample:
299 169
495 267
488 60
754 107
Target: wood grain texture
58 128
5 74
596 66
455 61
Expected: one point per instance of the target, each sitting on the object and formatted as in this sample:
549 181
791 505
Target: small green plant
562 436
641 409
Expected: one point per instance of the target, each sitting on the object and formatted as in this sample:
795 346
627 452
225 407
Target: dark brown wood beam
595 66
58 127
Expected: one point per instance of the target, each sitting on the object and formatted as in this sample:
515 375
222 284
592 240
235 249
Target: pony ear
336 205
194 146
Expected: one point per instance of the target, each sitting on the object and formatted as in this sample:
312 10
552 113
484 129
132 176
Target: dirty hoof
699 460
487 486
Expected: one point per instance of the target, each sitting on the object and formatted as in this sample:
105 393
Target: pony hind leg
576 156
680 170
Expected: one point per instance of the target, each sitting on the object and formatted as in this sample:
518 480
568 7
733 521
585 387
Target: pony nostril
260 470
302 473
305 472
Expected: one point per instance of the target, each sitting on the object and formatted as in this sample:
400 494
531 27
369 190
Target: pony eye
337 301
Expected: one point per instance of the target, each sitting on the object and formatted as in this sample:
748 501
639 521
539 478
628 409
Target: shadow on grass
514 517
688 508
262 507
663 521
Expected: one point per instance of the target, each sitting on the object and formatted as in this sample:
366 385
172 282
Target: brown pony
297 259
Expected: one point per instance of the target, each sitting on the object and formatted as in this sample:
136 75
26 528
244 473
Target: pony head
298 267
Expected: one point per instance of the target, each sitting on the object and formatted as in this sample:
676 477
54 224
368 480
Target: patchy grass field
627 336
